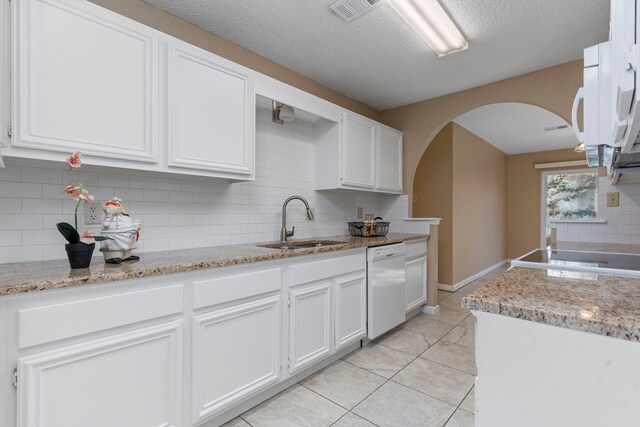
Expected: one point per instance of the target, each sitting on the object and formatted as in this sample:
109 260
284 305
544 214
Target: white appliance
610 94
597 102
386 288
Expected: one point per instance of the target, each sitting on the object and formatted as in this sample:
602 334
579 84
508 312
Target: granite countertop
619 248
38 276
589 302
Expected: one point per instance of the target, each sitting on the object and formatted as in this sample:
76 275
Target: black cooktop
595 260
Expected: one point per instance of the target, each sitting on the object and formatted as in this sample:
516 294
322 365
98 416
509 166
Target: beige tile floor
419 374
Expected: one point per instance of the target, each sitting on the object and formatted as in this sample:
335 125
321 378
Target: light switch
613 200
415 198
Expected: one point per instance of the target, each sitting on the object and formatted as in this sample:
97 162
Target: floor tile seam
439 321
366 397
353 364
355 415
442 364
425 394
450 367
327 398
465 398
404 352
242 418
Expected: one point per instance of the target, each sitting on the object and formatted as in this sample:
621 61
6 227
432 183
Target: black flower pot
79 254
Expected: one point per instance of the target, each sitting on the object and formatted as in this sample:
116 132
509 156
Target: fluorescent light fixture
431 22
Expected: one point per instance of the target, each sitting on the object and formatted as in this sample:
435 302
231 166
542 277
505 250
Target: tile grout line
391 379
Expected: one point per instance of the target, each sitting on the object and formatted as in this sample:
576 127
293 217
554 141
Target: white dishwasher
386 288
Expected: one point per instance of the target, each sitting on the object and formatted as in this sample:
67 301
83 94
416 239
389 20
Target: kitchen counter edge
600 304
18 278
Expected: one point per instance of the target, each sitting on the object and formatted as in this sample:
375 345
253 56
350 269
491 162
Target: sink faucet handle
290 233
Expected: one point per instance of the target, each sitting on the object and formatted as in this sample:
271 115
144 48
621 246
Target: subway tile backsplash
623 222
186 212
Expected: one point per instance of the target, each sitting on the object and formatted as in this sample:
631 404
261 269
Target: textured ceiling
518 128
379 60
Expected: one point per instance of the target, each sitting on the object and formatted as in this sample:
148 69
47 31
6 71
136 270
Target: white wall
182 212
623 222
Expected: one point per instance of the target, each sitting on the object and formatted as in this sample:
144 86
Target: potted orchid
80 248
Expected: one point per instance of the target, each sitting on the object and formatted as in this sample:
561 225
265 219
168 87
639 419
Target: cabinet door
389 160
358 152
416 278
236 353
85 80
309 325
351 309
211 109
131 379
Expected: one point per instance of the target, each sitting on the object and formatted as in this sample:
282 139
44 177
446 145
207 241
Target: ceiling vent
552 128
349 10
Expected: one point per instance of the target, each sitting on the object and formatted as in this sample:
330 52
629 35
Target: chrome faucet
283 232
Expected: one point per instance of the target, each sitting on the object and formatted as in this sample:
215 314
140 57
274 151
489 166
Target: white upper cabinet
358 151
5 82
389 160
358 154
84 79
211 113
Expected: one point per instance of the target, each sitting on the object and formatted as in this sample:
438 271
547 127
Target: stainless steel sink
301 245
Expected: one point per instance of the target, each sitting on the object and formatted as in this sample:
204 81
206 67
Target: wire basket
376 229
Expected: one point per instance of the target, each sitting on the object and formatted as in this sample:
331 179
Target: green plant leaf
101 238
68 232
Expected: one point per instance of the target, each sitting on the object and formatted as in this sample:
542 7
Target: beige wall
463 180
434 188
149 15
552 88
479 204
524 198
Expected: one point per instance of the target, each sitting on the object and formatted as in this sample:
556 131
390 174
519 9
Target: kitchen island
557 348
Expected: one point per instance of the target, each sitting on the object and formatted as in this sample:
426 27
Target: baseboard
465 282
430 309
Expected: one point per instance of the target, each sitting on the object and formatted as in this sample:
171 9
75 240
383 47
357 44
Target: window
571 195
568 196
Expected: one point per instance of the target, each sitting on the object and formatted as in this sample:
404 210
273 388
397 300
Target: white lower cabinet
115 356
236 353
327 307
351 309
130 379
416 274
309 325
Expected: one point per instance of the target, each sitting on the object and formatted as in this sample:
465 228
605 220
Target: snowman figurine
122 230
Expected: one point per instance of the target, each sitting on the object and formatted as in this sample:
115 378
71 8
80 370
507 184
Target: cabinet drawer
335 266
236 285
415 249
55 322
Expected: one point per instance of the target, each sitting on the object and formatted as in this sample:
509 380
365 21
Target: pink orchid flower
84 195
72 191
75 160
88 238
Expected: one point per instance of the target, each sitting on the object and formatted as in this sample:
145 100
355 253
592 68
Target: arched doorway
464 176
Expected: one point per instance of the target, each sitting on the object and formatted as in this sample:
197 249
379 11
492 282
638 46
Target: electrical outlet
313 211
92 213
360 213
613 200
